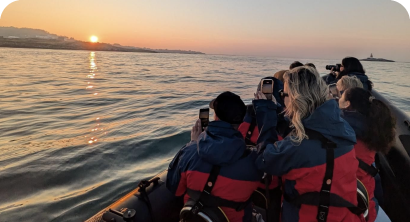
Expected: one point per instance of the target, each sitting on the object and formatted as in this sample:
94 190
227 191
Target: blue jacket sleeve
275 159
266 119
330 79
278 159
176 182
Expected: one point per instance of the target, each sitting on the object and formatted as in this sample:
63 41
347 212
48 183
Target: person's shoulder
184 155
302 148
244 168
190 148
187 151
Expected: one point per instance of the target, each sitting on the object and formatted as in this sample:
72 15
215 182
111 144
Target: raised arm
266 118
275 158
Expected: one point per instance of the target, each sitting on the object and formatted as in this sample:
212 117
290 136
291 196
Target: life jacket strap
249 133
370 169
202 196
324 195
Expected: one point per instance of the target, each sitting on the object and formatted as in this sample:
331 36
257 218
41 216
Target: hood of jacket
356 120
327 120
221 144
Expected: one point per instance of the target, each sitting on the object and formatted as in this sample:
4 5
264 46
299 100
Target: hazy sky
286 28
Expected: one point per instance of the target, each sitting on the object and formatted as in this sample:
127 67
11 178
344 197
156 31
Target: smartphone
267 88
204 117
333 90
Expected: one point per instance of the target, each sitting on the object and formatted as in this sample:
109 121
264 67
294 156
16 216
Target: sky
326 29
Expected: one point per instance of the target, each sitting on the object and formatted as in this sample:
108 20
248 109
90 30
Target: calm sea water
79 129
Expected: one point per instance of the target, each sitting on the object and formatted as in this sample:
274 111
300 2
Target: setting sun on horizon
94 38
229 27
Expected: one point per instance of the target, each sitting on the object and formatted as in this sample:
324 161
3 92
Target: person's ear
347 104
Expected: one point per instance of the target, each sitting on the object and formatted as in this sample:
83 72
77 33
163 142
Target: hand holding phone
259 95
196 130
204 117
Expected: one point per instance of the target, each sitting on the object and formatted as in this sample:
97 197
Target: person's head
380 123
347 82
311 65
295 64
304 91
229 107
279 75
351 65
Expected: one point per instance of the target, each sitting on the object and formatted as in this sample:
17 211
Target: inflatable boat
152 202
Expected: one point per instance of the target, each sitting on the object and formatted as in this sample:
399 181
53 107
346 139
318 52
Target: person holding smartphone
220 145
271 87
316 161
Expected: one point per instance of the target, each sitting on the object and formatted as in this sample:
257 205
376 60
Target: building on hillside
45 37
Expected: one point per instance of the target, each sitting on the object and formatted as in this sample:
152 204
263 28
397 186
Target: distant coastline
37 43
57 44
12 37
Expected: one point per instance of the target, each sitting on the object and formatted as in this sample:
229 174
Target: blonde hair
307 91
348 82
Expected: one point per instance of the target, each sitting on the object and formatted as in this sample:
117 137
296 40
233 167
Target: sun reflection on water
95 130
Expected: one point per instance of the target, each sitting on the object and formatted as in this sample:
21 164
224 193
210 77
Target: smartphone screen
267 87
333 90
204 116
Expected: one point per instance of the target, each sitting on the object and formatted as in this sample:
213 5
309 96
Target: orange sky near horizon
286 28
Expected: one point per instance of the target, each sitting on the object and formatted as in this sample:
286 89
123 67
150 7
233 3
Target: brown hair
279 75
380 130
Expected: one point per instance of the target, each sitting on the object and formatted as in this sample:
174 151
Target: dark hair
380 129
311 65
353 65
229 107
295 64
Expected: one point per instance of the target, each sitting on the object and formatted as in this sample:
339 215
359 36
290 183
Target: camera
336 67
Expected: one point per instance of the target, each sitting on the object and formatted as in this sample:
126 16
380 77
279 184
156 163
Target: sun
94 38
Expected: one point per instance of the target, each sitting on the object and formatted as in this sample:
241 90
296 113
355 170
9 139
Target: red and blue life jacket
303 166
366 171
223 146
